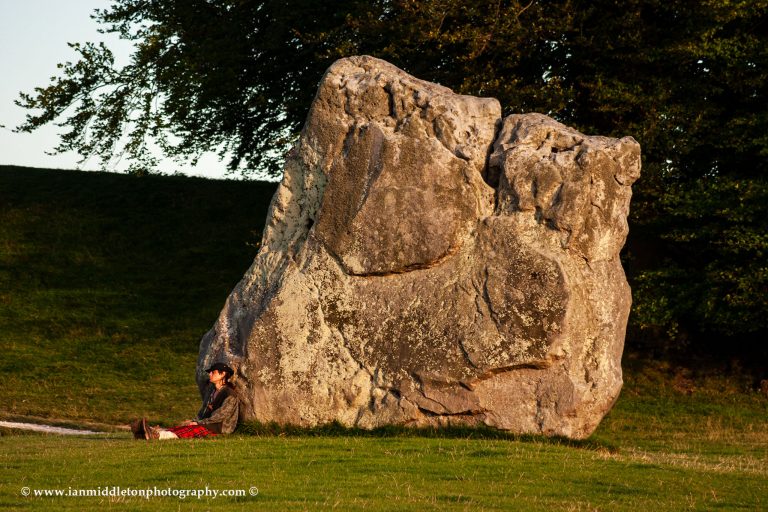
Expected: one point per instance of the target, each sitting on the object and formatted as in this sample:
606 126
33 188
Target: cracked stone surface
426 262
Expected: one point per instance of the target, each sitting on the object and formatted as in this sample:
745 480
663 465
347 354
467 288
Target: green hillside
108 282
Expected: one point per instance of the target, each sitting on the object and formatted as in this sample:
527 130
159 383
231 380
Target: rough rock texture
426 263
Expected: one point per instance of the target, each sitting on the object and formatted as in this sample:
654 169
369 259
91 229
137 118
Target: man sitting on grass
218 415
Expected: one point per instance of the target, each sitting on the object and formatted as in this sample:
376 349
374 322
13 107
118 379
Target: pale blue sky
33 39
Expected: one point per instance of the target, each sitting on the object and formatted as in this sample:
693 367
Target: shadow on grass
336 429
15 432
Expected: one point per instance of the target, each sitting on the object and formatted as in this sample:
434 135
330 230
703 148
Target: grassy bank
107 283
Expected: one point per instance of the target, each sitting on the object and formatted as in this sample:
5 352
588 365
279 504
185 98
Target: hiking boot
138 429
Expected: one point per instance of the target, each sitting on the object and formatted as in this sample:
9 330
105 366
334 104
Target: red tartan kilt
184 431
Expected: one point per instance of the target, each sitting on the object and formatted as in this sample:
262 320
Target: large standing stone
426 263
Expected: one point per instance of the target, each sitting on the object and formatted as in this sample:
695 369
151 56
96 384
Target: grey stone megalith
427 263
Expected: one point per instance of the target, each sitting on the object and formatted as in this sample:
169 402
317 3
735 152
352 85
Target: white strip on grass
48 429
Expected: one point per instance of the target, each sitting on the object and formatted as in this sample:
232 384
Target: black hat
221 367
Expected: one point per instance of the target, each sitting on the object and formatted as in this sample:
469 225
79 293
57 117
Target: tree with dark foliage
687 79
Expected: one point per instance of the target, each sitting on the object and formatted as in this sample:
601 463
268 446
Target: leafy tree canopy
686 78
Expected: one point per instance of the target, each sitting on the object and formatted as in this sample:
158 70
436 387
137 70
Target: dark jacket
220 411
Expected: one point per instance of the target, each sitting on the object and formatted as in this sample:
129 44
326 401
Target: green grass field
107 283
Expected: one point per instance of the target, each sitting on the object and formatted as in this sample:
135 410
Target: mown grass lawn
107 283
705 449
374 473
